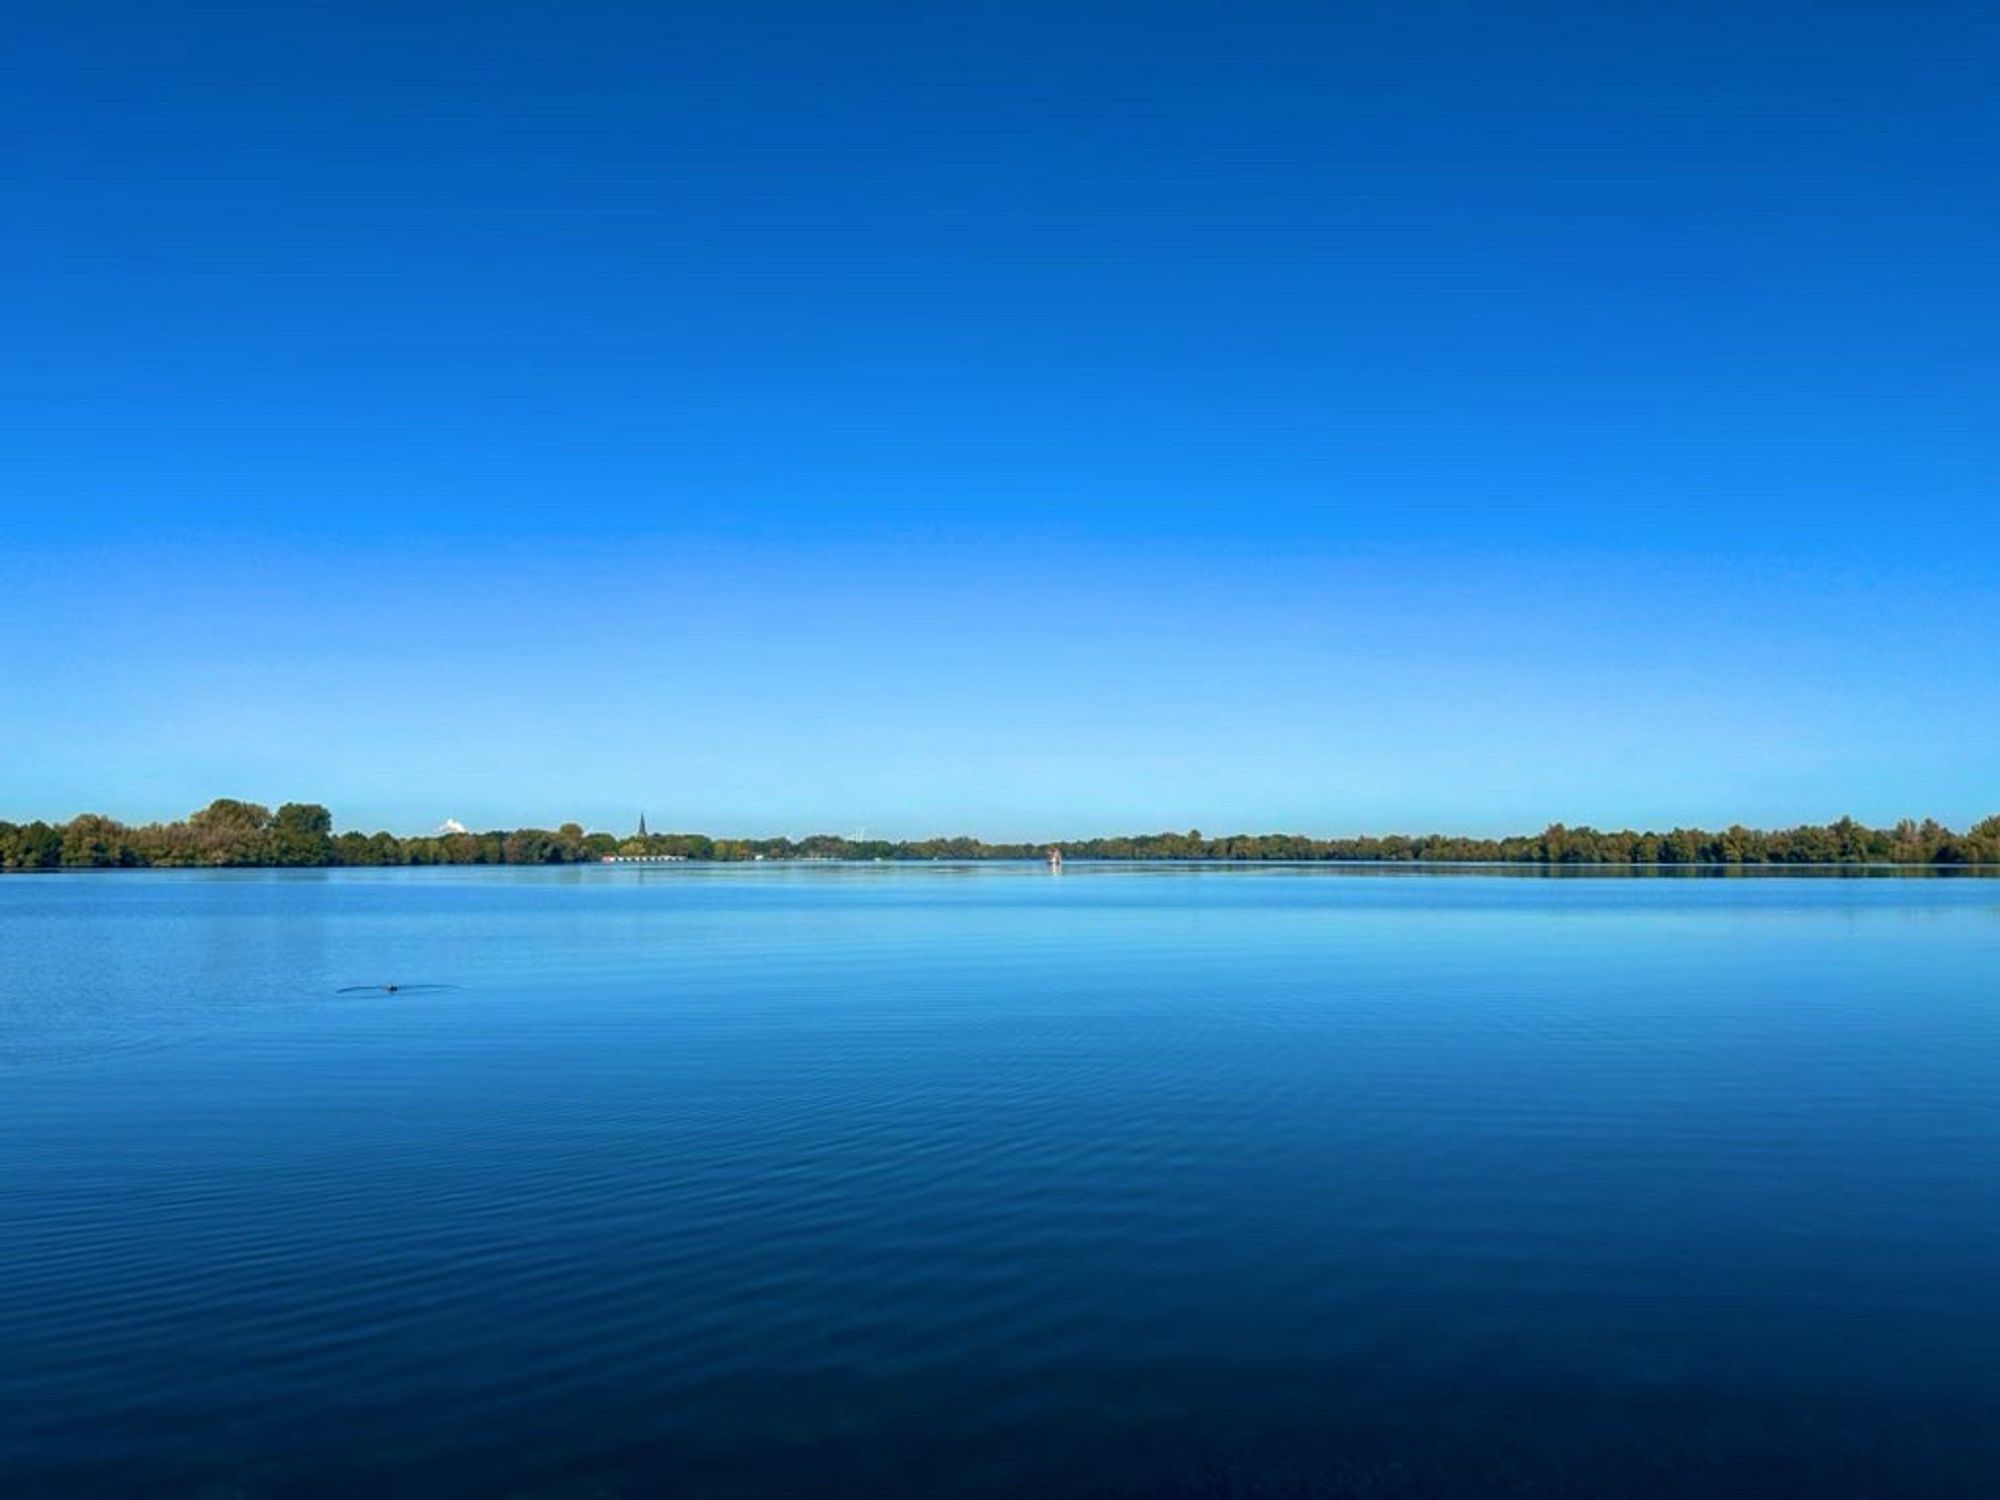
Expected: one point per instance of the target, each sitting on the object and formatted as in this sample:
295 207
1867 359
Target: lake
978 1180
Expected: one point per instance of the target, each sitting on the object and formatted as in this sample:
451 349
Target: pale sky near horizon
1027 420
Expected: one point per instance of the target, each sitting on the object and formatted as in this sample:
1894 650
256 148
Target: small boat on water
1055 859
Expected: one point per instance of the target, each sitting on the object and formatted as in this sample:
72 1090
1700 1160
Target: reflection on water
966 1180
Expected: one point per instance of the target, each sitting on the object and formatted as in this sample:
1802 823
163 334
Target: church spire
642 825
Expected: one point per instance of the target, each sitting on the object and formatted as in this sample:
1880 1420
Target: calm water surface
853 1181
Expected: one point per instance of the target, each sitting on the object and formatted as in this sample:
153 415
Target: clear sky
1019 419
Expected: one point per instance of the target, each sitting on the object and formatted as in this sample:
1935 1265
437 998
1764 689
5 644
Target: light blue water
979 1181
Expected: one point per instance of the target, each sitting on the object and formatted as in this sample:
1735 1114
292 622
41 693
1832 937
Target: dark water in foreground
983 1182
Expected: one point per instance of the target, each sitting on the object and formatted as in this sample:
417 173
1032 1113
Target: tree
92 841
38 847
302 834
228 832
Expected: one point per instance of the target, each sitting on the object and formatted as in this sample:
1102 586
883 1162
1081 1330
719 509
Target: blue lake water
982 1181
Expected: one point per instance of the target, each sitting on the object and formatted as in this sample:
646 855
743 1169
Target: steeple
642 825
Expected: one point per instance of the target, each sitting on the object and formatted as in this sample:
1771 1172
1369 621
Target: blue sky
1018 419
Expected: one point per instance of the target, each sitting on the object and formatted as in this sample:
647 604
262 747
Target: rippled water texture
831 1181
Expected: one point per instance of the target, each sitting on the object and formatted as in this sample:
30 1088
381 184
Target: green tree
229 832
92 841
302 834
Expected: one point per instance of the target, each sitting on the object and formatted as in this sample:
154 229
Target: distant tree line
232 833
